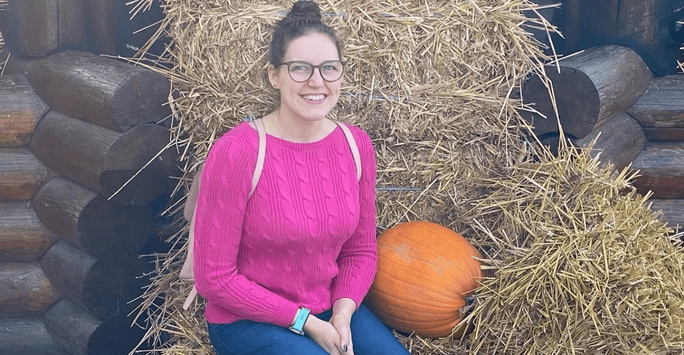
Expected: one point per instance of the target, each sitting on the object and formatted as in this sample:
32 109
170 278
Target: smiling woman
309 87
284 269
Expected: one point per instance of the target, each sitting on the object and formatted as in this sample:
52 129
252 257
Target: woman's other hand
324 334
343 309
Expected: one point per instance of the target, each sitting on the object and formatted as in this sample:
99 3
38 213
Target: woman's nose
316 77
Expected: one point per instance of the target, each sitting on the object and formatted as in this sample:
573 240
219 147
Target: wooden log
672 211
661 165
664 134
11 64
91 222
618 141
104 160
30 27
25 291
638 18
662 104
82 334
71 326
591 87
22 236
646 26
584 26
104 91
101 24
22 336
101 286
133 33
93 284
20 110
35 28
552 12
21 174
72 23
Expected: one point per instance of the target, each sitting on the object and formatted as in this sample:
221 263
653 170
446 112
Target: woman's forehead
314 48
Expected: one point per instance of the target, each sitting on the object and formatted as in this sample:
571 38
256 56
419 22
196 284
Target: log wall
75 128
591 87
104 91
609 101
36 28
22 236
647 26
661 109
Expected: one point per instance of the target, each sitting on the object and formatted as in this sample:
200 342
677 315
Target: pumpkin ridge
449 295
447 308
456 277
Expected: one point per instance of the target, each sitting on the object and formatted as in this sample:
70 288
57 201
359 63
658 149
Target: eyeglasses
300 71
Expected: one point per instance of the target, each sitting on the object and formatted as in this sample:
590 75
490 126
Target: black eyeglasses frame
313 67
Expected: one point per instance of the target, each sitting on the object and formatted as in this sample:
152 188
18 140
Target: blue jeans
369 337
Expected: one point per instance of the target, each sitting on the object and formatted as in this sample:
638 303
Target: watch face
297 331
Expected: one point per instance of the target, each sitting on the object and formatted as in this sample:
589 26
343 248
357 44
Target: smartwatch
302 316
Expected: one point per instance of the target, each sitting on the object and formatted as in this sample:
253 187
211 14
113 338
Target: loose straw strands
582 265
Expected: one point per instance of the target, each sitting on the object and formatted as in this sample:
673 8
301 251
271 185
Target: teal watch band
302 316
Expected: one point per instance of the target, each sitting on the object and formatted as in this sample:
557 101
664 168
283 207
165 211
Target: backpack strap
353 146
189 211
261 155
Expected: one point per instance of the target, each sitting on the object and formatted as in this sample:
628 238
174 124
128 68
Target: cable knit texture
305 238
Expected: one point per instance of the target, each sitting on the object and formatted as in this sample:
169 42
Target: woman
284 270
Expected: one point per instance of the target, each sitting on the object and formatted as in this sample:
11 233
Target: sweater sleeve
225 184
358 256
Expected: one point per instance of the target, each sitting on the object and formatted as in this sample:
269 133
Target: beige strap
187 271
353 146
261 155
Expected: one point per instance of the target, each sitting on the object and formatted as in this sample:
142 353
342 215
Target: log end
577 102
21 336
20 110
25 290
22 237
137 147
140 99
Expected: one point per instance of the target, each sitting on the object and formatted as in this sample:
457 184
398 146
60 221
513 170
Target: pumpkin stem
469 304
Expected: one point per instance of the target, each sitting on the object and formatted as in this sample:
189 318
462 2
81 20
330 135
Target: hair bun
305 10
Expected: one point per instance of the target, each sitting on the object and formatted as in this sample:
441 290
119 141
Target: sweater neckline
271 139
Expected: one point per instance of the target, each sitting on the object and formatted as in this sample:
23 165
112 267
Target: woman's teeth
314 97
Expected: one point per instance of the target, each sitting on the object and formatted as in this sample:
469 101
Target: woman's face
313 99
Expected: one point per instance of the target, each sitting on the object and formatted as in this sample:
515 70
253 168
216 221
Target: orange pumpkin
425 272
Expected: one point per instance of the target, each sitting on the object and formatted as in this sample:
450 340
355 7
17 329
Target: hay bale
428 80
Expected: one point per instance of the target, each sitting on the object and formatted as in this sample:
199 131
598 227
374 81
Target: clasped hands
333 336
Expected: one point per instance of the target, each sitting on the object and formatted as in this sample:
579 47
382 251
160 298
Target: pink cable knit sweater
305 238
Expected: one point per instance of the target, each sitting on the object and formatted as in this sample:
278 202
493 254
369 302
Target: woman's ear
273 76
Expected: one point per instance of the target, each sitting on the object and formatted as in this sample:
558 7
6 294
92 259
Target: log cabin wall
74 128
621 86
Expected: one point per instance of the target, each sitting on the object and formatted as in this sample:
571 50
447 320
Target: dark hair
303 18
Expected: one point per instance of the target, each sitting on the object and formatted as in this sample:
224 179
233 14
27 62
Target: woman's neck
295 129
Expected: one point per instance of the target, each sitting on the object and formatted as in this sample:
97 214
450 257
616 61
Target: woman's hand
324 334
343 309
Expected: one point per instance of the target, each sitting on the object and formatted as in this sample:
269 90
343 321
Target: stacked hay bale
431 82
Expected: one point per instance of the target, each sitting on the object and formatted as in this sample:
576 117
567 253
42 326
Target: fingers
344 331
324 334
